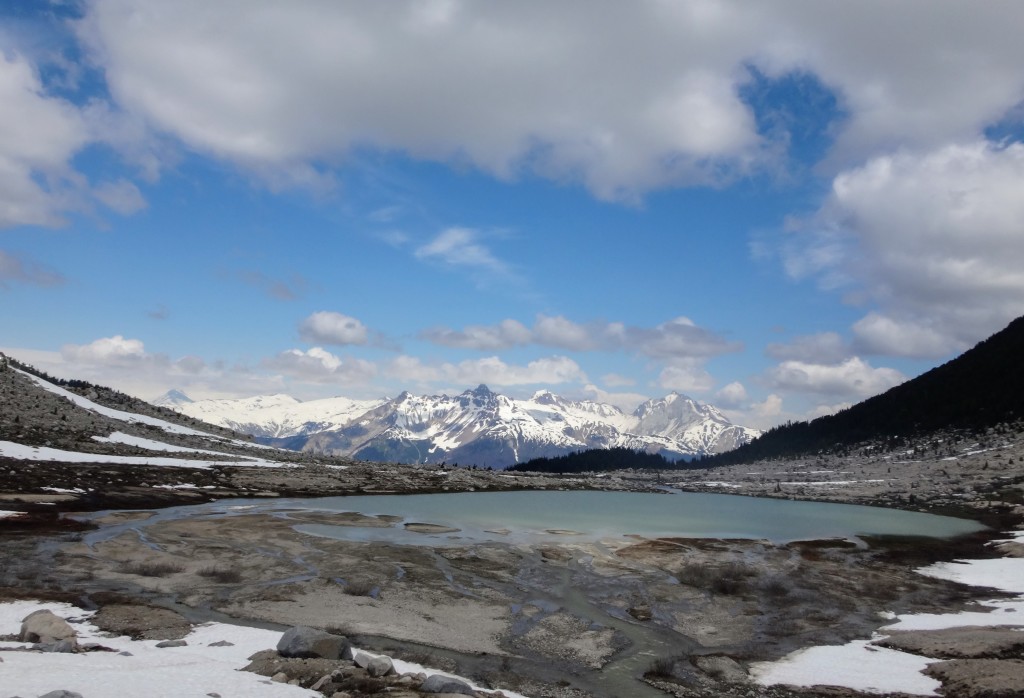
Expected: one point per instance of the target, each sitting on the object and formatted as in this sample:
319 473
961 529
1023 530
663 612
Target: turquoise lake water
528 516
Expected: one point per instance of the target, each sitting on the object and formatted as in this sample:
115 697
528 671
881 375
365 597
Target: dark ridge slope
981 388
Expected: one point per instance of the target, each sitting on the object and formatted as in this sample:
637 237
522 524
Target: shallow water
535 516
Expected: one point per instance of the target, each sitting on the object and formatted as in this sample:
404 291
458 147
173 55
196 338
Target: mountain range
478 427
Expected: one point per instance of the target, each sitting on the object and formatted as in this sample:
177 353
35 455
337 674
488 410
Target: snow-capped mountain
478 427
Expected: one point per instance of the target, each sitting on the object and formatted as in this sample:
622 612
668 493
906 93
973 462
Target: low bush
221 575
151 569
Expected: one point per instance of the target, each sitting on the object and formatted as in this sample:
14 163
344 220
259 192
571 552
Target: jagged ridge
477 427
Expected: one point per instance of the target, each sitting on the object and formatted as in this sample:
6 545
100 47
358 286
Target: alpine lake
549 593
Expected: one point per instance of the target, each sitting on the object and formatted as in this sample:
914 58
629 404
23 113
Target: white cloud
106 350
38 137
492 371
821 348
326 327
615 380
878 334
461 247
731 396
853 378
265 82
507 333
121 196
16 268
933 239
627 402
321 366
685 377
559 332
676 339
654 87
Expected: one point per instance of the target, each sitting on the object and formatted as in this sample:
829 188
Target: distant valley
477 427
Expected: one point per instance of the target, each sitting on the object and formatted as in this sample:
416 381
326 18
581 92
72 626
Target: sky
779 208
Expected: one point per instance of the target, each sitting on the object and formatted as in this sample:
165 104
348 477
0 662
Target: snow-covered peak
172 398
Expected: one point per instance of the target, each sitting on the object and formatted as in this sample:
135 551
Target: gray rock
722 668
380 666
436 683
321 682
222 643
979 678
280 677
301 641
172 643
45 627
61 647
61 694
361 659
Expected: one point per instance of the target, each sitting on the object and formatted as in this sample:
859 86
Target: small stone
61 694
321 682
280 677
172 643
222 643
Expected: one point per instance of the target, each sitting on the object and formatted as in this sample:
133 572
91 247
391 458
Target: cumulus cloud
821 348
326 327
106 350
507 333
933 239
285 84
39 135
318 365
731 396
16 268
679 338
851 378
685 377
492 371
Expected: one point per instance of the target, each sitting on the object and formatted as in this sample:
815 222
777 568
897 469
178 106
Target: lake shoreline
424 608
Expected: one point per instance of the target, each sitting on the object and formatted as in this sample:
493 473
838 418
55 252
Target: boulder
305 642
436 683
380 666
45 627
721 667
979 678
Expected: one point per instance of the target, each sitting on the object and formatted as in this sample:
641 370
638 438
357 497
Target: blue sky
780 208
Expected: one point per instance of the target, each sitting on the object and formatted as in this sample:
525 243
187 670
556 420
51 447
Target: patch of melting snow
10 514
10 449
140 668
862 666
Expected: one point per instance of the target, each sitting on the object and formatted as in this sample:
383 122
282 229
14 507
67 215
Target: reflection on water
535 516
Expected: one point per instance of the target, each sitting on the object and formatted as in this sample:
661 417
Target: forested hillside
981 388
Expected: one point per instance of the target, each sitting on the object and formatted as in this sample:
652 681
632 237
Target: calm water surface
526 516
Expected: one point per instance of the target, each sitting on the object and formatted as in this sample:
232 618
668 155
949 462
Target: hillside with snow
477 427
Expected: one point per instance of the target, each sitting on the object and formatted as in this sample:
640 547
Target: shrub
360 587
661 668
151 569
221 575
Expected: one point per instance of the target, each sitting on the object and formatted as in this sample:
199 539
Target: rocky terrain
568 617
